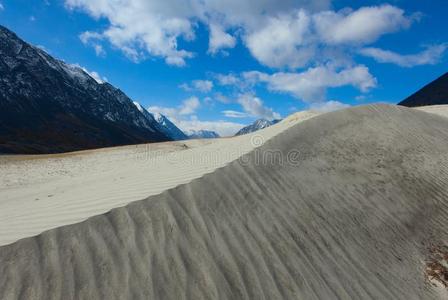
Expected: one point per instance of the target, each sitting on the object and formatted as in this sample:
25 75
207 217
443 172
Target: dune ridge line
354 219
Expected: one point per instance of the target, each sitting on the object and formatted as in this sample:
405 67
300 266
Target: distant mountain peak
257 125
164 124
202 134
158 116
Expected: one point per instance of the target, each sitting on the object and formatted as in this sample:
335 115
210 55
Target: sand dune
441 110
38 193
353 214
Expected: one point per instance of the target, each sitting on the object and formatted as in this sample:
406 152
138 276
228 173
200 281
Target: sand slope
441 110
353 218
38 193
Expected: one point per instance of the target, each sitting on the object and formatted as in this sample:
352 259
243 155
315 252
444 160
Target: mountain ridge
169 127
49 106
257 125
434 93
202 134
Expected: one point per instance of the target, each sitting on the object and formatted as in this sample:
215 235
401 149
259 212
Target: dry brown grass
437 265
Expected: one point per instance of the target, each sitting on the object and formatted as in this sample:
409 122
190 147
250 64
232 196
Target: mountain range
48 106
171 130
257 125
202 134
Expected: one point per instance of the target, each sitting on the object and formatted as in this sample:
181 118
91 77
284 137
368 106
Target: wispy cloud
328 106
227 79
203 86
234 114
312 84
188 107
92 39
430 56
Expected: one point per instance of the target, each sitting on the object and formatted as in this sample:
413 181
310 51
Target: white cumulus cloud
140 27
254 106
189 106
219 39
312 84
283 41
364 25
278 33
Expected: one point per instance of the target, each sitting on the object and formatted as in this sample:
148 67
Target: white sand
441 110
38 193
353 218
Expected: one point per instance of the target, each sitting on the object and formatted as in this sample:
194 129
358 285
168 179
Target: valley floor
41 192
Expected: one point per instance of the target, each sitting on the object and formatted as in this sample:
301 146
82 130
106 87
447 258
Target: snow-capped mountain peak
164 124
257 125
202 134
158 116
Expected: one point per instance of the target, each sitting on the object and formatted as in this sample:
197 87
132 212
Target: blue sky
220 64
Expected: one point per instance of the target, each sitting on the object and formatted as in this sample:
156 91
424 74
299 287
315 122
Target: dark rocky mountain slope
435 93
165 124
49 106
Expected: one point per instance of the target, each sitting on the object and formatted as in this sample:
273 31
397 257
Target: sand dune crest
353 218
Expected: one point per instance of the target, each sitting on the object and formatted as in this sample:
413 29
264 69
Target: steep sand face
351 214
38 193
